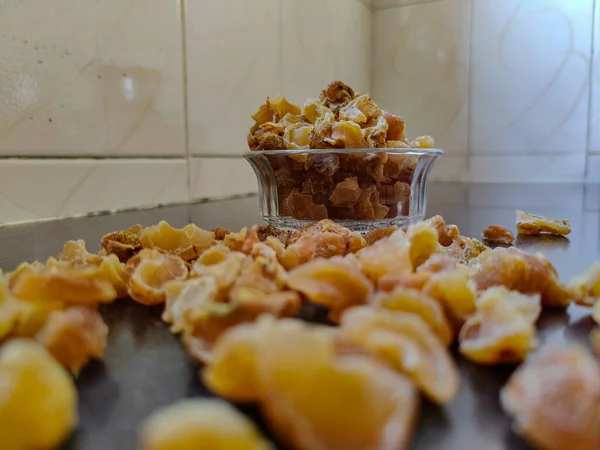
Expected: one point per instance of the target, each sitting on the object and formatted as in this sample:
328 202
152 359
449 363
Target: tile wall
125 103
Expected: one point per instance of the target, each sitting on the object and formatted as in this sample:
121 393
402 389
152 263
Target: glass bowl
361 189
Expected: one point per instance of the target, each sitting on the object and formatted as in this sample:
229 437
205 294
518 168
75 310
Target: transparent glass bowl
361 189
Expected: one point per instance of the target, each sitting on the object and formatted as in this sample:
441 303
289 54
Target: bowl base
358 226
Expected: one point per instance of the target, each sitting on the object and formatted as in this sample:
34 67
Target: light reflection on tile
530 73
421 69
233 64
221 177
322 41
91 78
38 189
532 169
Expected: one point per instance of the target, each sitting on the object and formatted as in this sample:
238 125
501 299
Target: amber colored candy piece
412 301
446 233
323 239
315 398
345 193
464 249
408 344
38 399
586 288
360 110
187 243
349 133
124 244
336 93
232 372
379 233
59 282
74 336
423 142
532 224
200 423
390 255
455 291
389 282
423 240
396 127
500 332
75 253
520 271
150 270
497 235
439 262
337 283
553 399
302 206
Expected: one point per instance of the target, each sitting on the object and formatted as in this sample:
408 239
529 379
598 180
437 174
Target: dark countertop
145 367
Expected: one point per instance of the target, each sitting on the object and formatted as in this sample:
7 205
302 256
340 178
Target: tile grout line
588 150
186 111
467 176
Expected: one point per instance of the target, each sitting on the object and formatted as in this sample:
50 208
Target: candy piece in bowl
341 158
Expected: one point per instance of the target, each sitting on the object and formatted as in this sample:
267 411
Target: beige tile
324 40
421 69
233 64
593 168
389 4
91 78
530 69
36 189
221 177
450 168
527 169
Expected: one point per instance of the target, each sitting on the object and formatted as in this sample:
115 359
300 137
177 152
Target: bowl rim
324 151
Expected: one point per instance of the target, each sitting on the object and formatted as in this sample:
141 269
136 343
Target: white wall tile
593 168
525 196
324 40
221 177
91 78
421 69
531 169
449 168
32 189
389 4
233 64
592 197
594 144
530 70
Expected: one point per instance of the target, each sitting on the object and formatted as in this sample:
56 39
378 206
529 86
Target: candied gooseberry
200 424
520 271
389 255
77 255
150 271
554 399
124 244
345 193
74 336
388 283
446 233
337 283
532 224
59 282
586 288
497 235
361 403
395 127
187 242
408 344
36 393
455 291
412 301
498 333
360 110
423 240
232 371
379 233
